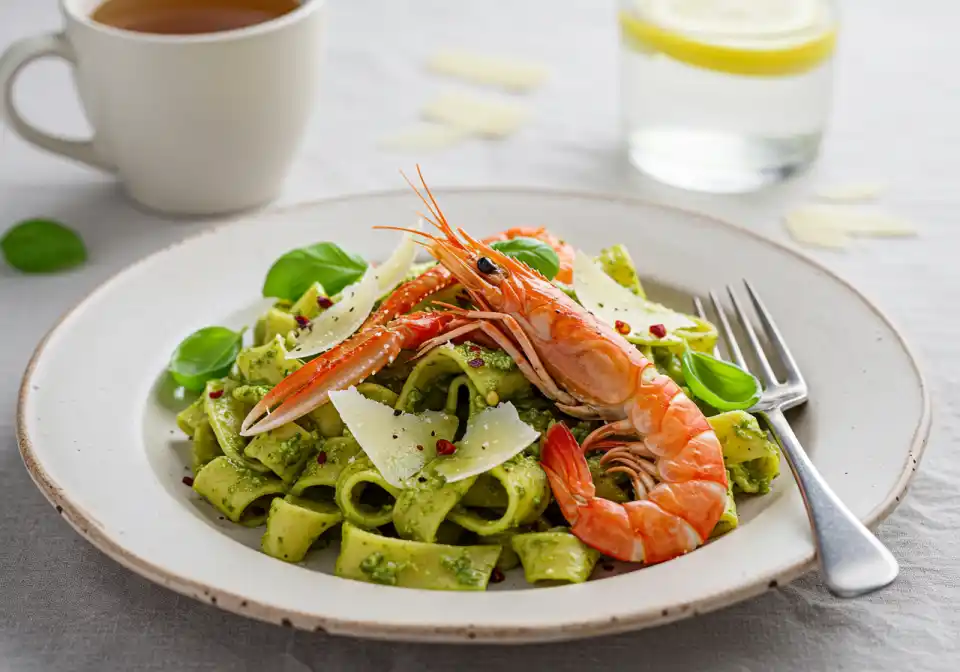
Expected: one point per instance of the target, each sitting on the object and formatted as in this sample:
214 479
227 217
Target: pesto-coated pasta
614 487
189 418
527 492
461 388
294 524
276 322
373 558
422 507
238 492
508 557
307 306
728 519
205 446
225 415
487 493
497 380
554 556
318 481
250 394
284 450
364 496
267 363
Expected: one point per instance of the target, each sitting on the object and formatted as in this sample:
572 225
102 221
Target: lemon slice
742 37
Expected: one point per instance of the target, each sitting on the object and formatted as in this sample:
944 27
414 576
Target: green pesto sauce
539 419
415 399
582 429
746 429
288 451
379 569
495 359
463 570
251 394
248 479
268 357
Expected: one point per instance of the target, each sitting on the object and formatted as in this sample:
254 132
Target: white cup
192 124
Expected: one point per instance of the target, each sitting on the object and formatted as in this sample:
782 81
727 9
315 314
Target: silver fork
852 560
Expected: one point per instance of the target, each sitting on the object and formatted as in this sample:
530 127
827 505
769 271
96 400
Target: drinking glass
725 95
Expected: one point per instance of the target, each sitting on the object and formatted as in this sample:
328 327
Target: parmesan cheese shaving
612 302
398 445
817 236
480 115
493 436
423 138
851 193
832 225
488 70
338 323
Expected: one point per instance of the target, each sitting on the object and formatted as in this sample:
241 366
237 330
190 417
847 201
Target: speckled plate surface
97 433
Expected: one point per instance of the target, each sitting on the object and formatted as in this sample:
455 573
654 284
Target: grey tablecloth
64 606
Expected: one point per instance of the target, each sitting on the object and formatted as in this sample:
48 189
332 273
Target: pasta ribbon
556 555
364 495
191 417
370 557
294 524
283 450
527 494
493 374
422 508
729 520
225 415
267 363
276 322
205 446
318 482
238 492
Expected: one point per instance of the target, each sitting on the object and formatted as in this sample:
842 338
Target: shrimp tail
597 522
567 470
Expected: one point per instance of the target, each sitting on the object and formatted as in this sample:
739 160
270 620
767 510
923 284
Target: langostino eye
486 266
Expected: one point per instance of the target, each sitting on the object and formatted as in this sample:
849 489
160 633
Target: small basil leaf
327 263
534 253
204 355
723 385
42 246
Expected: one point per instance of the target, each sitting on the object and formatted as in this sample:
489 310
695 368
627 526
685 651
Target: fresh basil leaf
327 263
42 246
723 385
534 253
204 355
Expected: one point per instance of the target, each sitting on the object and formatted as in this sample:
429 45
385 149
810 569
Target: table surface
65 606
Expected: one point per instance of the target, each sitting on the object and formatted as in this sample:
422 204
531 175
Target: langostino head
494 281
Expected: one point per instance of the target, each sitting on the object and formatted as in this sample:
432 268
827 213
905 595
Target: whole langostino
593 371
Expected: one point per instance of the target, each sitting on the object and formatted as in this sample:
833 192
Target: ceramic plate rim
86 525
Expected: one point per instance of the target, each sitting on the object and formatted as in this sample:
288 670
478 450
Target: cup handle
12 62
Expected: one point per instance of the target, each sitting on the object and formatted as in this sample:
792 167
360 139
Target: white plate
97 432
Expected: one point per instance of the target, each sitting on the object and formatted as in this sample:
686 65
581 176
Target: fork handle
852 560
